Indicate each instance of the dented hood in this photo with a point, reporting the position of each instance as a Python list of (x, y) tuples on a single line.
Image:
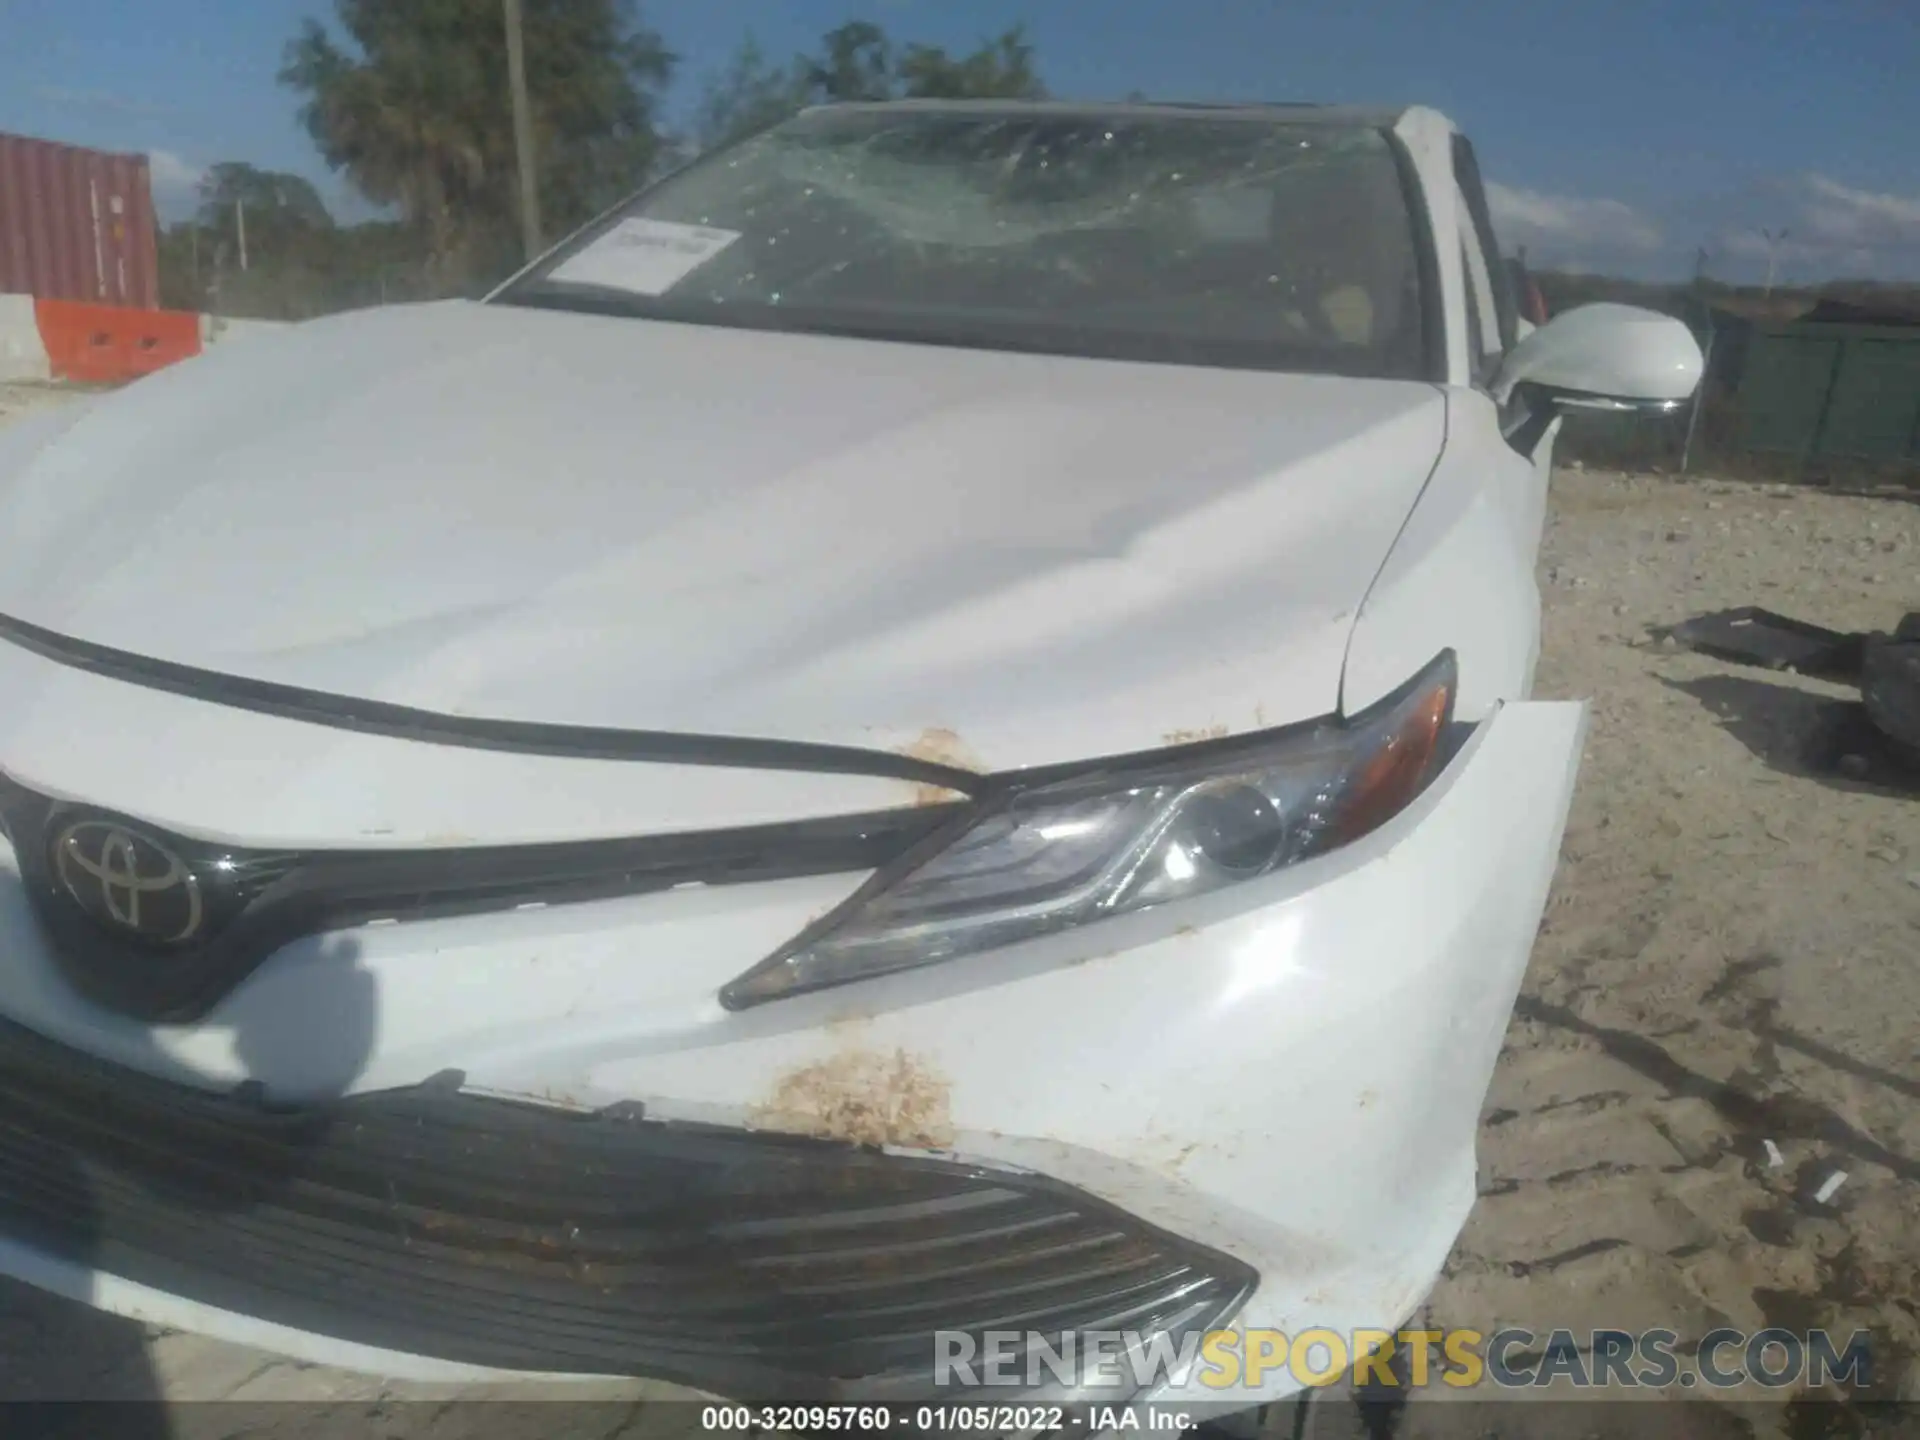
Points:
[(486, 511)]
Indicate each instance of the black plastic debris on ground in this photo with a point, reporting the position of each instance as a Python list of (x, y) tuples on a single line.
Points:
[(1752, 636), (1890, 684), (1877, 739)]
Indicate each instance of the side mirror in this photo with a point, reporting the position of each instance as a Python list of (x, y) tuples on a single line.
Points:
[(1604, 357)]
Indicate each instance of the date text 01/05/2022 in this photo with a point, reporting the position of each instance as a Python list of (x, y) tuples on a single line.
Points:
[(974, 1419)]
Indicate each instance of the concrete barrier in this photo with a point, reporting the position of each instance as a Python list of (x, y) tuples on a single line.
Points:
[(105, 344), (108, 344), (23, 354)]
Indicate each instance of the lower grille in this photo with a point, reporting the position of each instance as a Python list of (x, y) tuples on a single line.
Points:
[(442, 1224)]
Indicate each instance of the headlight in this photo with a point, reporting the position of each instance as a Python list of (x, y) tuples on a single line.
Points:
[(1046, 856)]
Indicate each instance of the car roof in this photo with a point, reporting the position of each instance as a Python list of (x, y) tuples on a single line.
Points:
[(1423, 127), (1293, 112)]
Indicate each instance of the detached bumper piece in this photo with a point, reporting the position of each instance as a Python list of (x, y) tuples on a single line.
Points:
[(1750, 635), (437, 1223), (1885, 667), (1890, 685)]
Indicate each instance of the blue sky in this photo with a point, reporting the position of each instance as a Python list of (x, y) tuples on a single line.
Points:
[(1621, 135)]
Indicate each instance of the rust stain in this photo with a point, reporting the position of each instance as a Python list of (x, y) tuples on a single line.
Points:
[(941, 747), (938, 746), (1188, 737), (865, 1097)]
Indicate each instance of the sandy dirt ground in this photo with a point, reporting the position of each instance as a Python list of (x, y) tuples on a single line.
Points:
[(1723, 1011)]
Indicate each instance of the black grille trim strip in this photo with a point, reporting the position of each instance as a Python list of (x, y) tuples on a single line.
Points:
[(259, 901), (518, 737)]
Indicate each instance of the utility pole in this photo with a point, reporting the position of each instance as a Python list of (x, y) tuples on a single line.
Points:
[(522, 131), (1774, 239), (240, 229), (1706, 362)]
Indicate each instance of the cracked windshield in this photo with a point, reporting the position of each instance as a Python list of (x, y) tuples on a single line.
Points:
[(1127, 235)]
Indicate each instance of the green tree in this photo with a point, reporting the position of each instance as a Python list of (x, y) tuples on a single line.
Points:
[(750, 94), (290, 236), (1001, 69), (412, 104), (273, 199), (855, 63), (183, 283), (858, 61)]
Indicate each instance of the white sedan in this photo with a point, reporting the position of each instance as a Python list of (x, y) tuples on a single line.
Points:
[(921, 735)]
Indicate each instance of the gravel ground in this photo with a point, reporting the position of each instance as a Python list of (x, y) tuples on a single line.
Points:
[(1721, 1013)]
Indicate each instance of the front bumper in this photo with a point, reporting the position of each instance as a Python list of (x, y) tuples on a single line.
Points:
[(505, 1236), (1280, 1081)]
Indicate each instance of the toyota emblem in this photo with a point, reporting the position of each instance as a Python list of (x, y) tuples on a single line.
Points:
[(128, 882)]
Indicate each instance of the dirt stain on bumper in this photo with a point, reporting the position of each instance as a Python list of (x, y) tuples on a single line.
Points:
[(865, 1097), (940, 747)]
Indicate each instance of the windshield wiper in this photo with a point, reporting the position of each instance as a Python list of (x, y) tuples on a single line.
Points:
[(610, 300), (589, 299), (1074, 341)]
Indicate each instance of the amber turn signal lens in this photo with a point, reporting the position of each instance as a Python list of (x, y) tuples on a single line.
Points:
[(1393, 774)]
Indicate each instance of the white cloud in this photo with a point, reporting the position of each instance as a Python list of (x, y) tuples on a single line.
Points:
[(1820, 227), (1842, 215), (1746, 244), (173, 172), (1557, 225), (176, 183)]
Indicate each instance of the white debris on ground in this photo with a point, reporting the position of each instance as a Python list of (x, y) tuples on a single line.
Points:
[(1717, 1029)]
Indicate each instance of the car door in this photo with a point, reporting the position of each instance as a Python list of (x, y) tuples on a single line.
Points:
[(1520, 479)]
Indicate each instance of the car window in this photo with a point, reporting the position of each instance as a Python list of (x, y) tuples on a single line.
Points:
[(1483, 317), (1472, 195), (1168, 236)]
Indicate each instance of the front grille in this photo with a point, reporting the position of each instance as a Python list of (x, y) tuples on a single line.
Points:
[(444, 1224), (256, 901)]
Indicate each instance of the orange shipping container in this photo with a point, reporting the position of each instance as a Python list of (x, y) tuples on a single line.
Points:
[(76, 224)]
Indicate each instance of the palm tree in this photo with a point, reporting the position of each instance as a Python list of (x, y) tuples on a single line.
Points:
[(413, 108)]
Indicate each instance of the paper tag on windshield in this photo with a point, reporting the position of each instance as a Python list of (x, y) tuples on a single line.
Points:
[(648, 257)]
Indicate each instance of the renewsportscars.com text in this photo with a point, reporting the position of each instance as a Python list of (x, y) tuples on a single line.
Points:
[(1408, 1359)]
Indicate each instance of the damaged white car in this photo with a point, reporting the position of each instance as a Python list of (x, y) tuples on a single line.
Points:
[(923, 731)]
